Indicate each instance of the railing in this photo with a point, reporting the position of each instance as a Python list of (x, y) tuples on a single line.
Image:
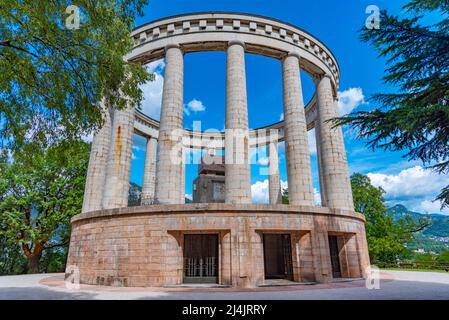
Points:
[(423, 265)]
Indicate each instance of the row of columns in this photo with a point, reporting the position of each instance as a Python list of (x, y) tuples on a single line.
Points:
[(109, 166)]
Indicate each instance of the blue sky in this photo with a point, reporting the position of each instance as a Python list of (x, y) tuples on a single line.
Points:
[(334, 23)]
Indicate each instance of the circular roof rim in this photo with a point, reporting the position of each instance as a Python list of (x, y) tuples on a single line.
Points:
[(307, 105), (243, 14)]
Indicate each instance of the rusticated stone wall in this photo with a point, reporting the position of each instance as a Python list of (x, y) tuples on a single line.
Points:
[(143, 246)]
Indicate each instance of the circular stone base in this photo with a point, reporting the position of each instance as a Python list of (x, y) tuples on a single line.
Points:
[(144, 246)]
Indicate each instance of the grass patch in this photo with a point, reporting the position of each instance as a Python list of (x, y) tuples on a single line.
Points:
[(416, 269)]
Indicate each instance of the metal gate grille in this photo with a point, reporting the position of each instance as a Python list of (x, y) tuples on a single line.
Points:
[(200, 267), (288, 263), (278, 256), (335, 257), (200, 258)]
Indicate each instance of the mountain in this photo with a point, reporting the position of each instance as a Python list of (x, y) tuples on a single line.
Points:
[(400, 211), (439, 223), (433, 238)]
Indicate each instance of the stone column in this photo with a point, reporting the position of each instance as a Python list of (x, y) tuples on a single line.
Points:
[(237, 167), (149, 174), (96, 172), (300, 191), (119, 160), (182, 196), (334, 173), (319, 157), (168, 168), (274, 183)]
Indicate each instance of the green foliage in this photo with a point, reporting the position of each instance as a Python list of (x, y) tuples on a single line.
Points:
[(40, 191), (424, 258), (416, 118), (52, 79), (434, 238), (134, 195), (285, 196), (443, 258), (12, 260), (386, 238)]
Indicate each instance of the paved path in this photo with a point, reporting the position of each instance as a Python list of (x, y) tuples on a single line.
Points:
[(406, 285)]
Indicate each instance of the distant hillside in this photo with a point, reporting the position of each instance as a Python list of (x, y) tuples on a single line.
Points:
[(433, 238), (440, 223)]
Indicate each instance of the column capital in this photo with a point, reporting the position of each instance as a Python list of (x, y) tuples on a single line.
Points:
[(171, 46), (293, 54), (319, 77), (238, 42)]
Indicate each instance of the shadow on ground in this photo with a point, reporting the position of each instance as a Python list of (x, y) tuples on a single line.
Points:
[(42, 293)]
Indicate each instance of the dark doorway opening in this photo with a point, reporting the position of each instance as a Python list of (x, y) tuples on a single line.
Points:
[(200, 258), (277, 251), (335, 257)]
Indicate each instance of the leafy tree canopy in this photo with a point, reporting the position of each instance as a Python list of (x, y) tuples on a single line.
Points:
[(416, 118), (386, 238), (52, 78), (40, 190)]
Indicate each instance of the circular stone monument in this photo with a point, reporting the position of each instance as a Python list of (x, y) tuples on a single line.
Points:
[(167, 242)]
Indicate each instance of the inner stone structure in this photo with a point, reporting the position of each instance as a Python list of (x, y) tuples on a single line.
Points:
[(209, 186), (227, 241)]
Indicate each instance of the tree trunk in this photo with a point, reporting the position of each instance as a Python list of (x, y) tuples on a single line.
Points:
[(33, 263)]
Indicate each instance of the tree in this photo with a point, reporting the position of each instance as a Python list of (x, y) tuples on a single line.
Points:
[(134, 195), (416, 118), (52, 78), (12, 260), (386, 238), (40, 191), (285, 196)]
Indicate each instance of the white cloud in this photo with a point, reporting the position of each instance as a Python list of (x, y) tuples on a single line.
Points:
[(316, 197), (263, 161), (415, 181), (416, 187), (281, 117), (188, 196), (152, 90), (260, 192), (350, 99), (428, 206), (88, 137), (312, 141), (194, 106)]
